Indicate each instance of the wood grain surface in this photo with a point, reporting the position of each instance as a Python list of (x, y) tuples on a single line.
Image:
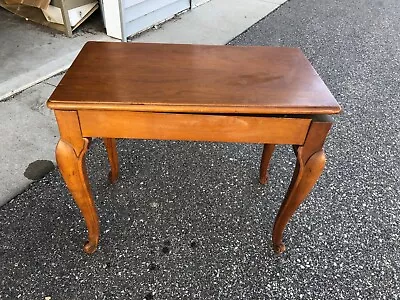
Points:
[(193, 78), (193, 127)]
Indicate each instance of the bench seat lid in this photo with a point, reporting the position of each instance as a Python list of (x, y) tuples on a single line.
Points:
[(193, 79)]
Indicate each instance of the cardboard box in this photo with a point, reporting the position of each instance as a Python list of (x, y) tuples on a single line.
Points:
[(44, 4)]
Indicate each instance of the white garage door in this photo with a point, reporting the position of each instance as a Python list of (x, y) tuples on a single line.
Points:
[(127, 17)]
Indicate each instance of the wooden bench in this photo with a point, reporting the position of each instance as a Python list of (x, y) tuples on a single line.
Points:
[(261, 95)]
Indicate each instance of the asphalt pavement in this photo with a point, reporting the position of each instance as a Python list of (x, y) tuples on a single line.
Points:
[(190, 220)]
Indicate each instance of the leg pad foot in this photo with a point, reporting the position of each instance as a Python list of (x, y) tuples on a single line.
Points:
[(280, 248), (90, 247), (263, 180), (112, 177)]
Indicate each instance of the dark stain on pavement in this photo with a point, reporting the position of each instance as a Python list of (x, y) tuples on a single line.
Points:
[(38, 169)]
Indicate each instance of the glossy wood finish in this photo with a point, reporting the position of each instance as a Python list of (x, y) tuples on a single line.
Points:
[(194, 93), (216, 128), (193, 78)]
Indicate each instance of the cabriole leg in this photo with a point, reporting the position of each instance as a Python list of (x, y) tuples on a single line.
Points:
[(265, 159), (111, 147), (309, 166), (70, 155)]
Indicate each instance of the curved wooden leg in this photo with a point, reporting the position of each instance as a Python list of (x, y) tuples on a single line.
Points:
[(304, 178), (70, 155), (265, 159), (72, 168), (310, 164), (111, 147)]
